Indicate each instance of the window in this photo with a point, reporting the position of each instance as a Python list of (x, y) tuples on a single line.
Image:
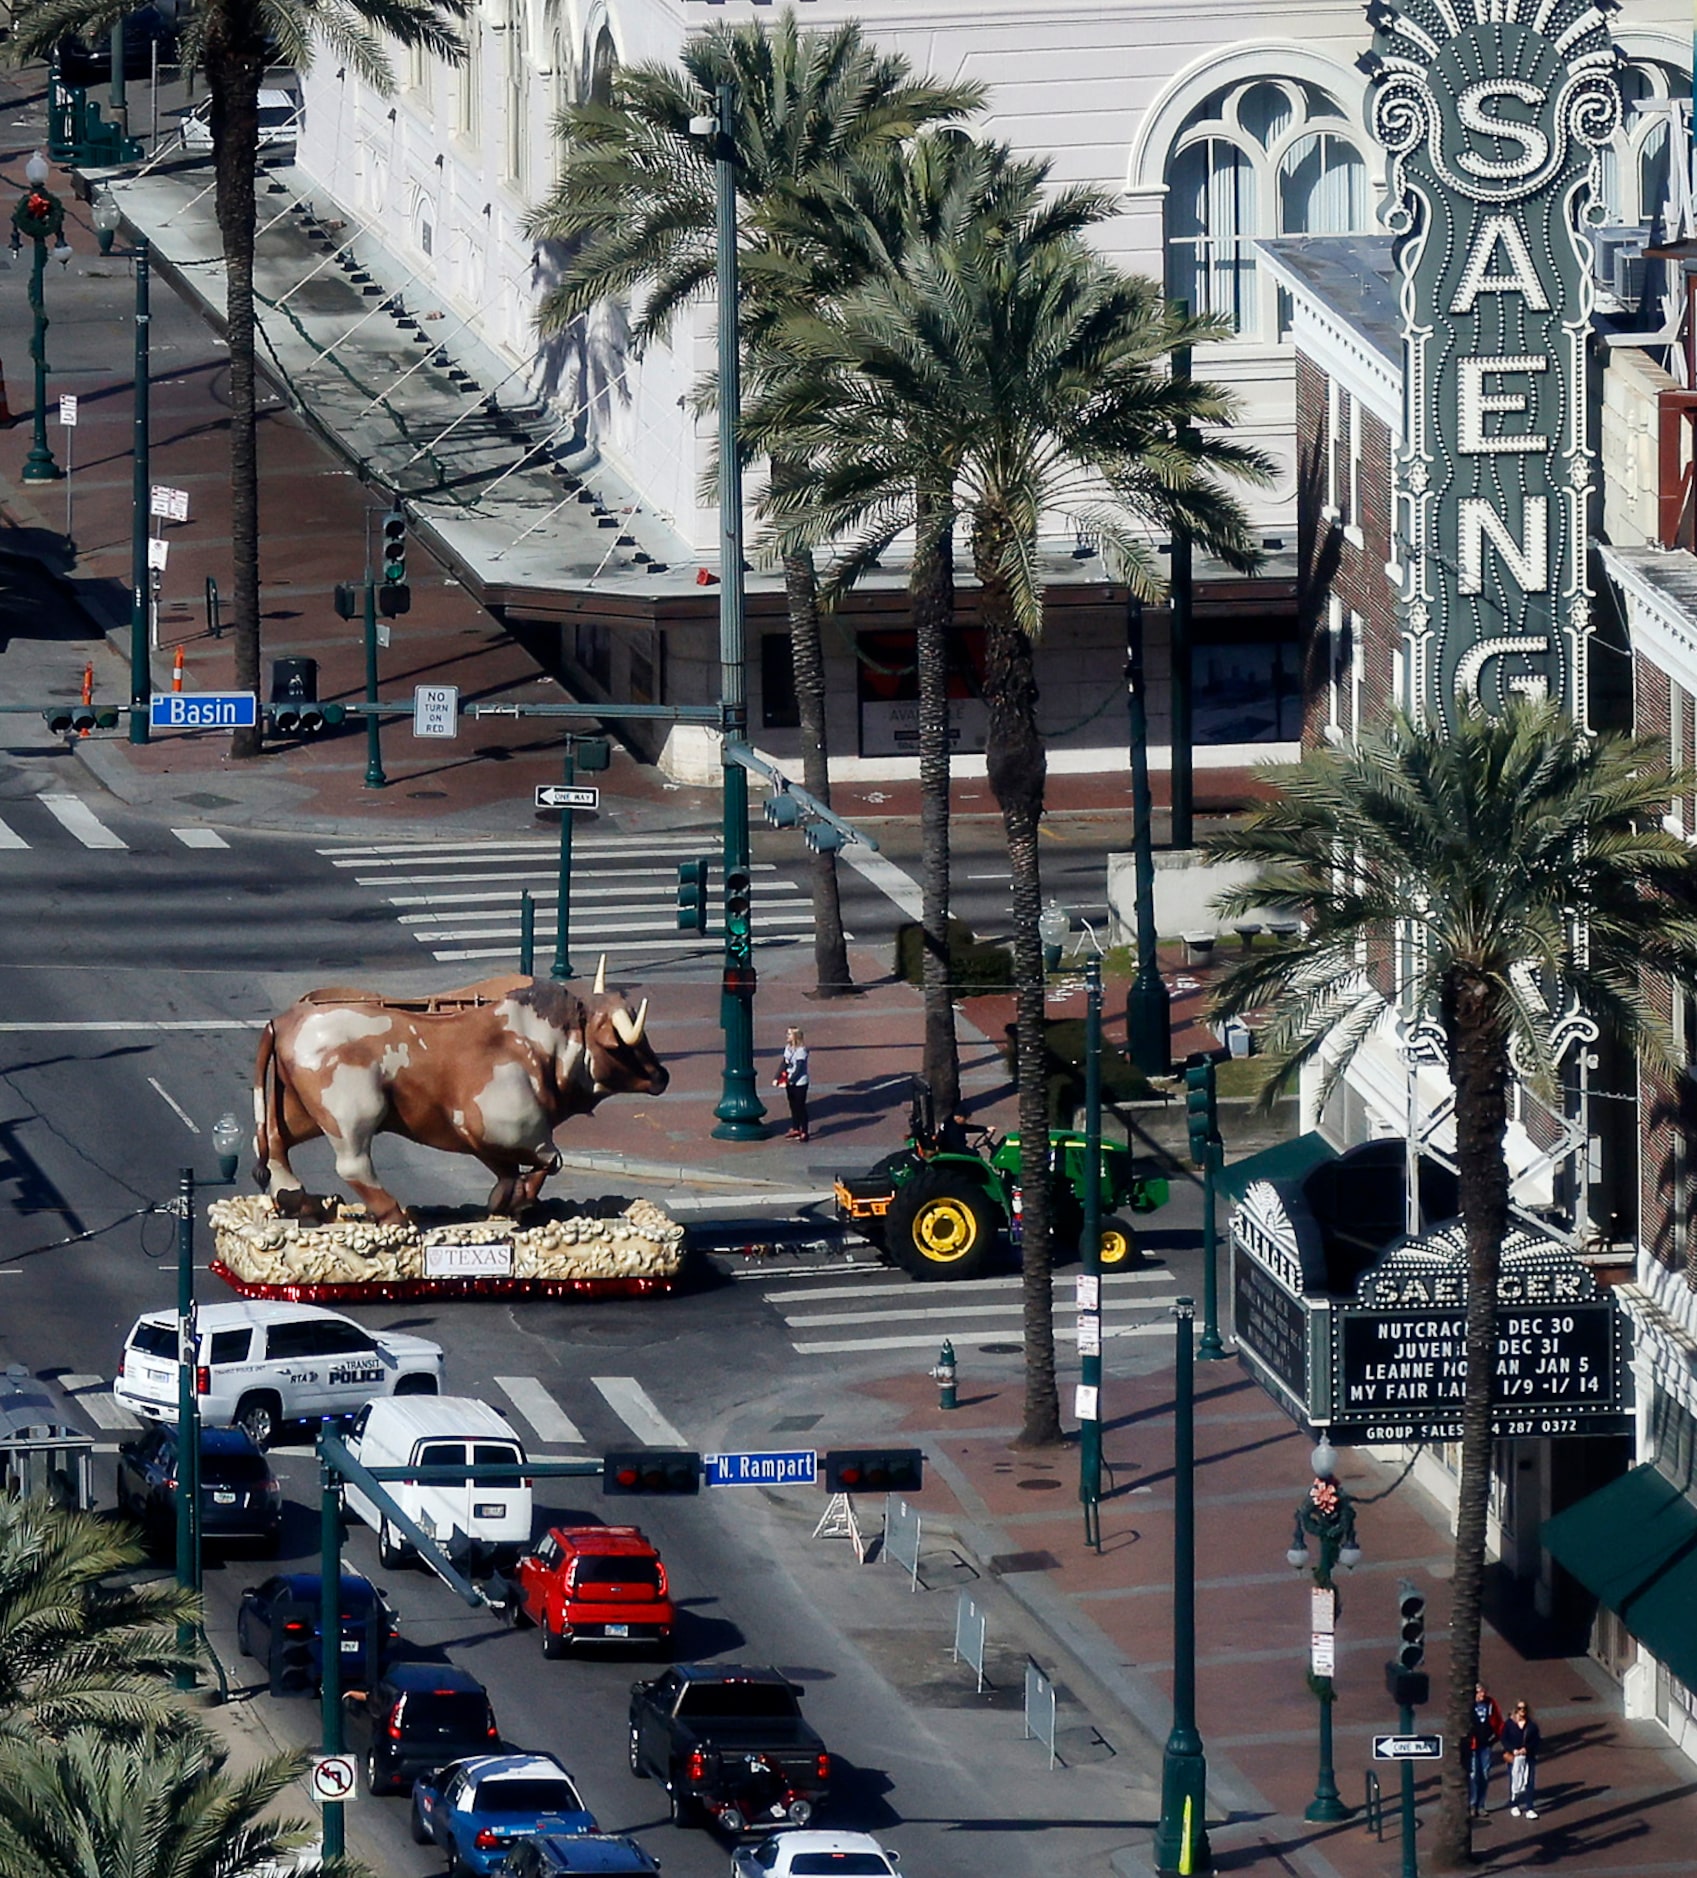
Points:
[(155, 1340), (779, 709), (1270, 157), (229, 1346), (1635, 160), (287, 1342), (346, 1340)]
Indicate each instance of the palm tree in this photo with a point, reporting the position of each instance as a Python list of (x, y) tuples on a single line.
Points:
[(1034, 371), (1491, 876), (79, 1646), (91, 1806), (635, 199), (234, 40)]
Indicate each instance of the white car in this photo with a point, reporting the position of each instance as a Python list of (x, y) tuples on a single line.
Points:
[(260, 1363), (279, 122), (816, 1855)]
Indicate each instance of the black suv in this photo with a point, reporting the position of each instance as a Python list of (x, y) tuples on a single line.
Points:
[(569, 1854), (239, 1495), (415, 1721)]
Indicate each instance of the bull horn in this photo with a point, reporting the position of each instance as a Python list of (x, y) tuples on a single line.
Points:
[(625, 1025), (601, 976), (641, 1019)]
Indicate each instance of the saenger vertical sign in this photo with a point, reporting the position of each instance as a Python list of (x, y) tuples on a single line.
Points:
[(1493, 113)]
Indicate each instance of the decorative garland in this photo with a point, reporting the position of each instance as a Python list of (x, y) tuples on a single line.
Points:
[(39, 215)]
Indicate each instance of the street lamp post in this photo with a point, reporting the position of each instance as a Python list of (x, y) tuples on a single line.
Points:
[(39, 214), (1148, 1006), (1327, 1514), (1181, 1835), (188, 1414), (141, 667), (1090, 1254)]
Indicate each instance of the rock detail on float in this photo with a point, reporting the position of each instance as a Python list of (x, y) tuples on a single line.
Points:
[(604, 1249)]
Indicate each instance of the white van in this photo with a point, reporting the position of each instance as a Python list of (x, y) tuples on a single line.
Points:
[(477, 1525)]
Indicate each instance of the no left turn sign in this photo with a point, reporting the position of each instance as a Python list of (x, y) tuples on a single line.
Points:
[(333, 1777)]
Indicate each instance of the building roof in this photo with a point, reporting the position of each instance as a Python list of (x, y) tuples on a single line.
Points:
[(1352, 277)]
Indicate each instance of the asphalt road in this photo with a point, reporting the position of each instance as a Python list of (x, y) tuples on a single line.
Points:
[(133, 967)]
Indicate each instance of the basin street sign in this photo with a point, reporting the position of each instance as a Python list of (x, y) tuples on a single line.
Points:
[(1387, 1361), (1494, 114)]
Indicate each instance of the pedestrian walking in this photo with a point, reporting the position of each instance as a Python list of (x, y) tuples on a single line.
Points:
[(1522, 1739), (1482, 1738), (792, 1079)]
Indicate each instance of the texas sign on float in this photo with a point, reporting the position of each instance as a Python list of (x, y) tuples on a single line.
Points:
[(1492, 112)]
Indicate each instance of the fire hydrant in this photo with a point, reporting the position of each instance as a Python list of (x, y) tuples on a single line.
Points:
[(944, 1376)]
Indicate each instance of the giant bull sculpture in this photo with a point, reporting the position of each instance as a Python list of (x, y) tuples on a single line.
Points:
[(491, 1070)]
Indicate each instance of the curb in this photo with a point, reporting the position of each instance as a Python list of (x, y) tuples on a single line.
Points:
[(673, 1172)]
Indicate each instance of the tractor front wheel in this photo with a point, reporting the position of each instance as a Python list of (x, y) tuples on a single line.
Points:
[(943, 1226)]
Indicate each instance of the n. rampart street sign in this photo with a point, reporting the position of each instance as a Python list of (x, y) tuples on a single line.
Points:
[(1493, 113)]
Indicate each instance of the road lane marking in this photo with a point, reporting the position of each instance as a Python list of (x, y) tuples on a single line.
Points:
[(200, 837), (627, 1398), (509, 896), (879, 871), (77, 818), (824, 1320), (898, 1290), (546, 870), (104, 1409), (850, 1346), (137, 1023), (597, 927), (539, 1408), (10, 838), (639, 948), (174, 1105)]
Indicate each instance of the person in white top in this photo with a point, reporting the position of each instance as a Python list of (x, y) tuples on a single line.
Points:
[(792, 1079)]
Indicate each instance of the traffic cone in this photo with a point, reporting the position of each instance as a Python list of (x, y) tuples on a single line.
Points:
[(177, 671), (87, 692)]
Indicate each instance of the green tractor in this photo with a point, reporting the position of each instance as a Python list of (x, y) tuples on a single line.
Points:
[(939, 1206)]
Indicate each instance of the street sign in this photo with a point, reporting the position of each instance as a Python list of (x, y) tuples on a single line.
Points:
[(384, 634), (203, 710), (68, 410), (435, 710), (562, 796), (1408, 1747), (798, 1467), (1323, 1652), (333, 1777), (166, 504), (158, 553)]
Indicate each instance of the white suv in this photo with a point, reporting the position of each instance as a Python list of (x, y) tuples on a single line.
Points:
[(261, 1363)]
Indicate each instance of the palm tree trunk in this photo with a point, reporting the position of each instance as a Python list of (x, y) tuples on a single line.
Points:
[(1479, 1069), (1018, 770), (232, 77), (933, 590), (830, 946)]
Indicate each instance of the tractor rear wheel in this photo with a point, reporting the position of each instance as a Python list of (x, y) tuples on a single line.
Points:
[(1119, 1244), (943, 1226)]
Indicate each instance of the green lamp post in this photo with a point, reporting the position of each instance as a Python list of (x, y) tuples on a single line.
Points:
[(1327, 1514), (40, 215)]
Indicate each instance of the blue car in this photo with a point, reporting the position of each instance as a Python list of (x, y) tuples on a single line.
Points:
[(279, 1622), (474, 1810)]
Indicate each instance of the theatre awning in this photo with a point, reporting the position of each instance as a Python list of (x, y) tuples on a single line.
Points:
[(1634, 1544), (1285, 1160)]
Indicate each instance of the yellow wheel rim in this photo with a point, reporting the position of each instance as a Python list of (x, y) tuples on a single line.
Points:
[(1116, 1247), (945, 1231)]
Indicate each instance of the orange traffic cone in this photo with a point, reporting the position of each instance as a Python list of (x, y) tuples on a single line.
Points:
[(87, 691), (177, 671)]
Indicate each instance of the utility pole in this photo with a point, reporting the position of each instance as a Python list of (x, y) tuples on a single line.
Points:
[(562, 967), (1179, 599), (1090, 1253), (740, 1111), (141, 673), (188, 1413), (1148, 1005), (330, 1640)]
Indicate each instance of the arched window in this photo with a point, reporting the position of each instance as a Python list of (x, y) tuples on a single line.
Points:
[(1265, 157), (601, 65), (1635, 163)]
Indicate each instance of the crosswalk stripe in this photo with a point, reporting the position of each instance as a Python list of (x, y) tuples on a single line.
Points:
[(964, 1308), (509, 902), (540, 1409), (463, 853), (641, 948), (10, 838), (598, 926), (978, 1285), (200, 837), (928, 1341), (549, 874), (627, 1398), (77, 818), (94, 1393), (509, 896)]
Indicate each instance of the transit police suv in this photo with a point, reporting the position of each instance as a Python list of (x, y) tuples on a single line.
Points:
[(261, 1363)]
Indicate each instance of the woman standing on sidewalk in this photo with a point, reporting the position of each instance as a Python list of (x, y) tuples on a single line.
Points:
[(1522, 1739), (792, 1079)]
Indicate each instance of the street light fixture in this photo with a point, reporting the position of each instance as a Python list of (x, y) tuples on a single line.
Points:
[(1326, 1514), (107, 218), (39, 215)]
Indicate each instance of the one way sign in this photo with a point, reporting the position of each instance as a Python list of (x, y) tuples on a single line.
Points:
[(1408, 1747), (563, 796)]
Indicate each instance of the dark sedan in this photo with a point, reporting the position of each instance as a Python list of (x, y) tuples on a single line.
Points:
[(278, 1622), (417, 1719), (240, 1499)]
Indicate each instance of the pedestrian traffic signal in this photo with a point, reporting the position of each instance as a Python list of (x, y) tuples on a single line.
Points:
[(349, 601), (738, 980), (1201, 1108), (739, 904), (692, 896), (395, 546), (592, 754), (782, 809), (1407, 1682), (651, 1470), (394, 599), (874, 1470)]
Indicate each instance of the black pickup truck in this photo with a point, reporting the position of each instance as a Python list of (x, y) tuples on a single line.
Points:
[(730, 1745)]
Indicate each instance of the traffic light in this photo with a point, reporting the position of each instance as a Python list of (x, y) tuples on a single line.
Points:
[(874, 1470), (393, 601), (1201, 1112), (395, 546), (348, 600), (294, 709), (291, 1663), (651, 1470), (782, 809), (592, 754), (692, 896), (823, 837), (1407, 1682), (58, 718), (739, 904)]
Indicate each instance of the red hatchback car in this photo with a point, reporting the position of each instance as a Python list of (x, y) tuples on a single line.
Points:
[(593, 1584)]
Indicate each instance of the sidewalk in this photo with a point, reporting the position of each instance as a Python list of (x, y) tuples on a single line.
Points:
[(1616, 1801)]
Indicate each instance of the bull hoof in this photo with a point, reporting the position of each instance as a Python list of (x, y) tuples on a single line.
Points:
[(311, 1209)]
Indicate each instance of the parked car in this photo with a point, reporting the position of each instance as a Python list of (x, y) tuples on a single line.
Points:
[(279, 122), (279, 1623), (480, 1524), (598, 1584), (260, 1363), (575, 1855), (728, 1742), (816, 1855), (474, 1809), (417, 1718), (239, 1495)]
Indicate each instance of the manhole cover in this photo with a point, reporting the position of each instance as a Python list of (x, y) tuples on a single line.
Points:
[(1003, 1564), (794, 1424), (1037, 1486), (999, 1349), (427, 795), (204, 801)]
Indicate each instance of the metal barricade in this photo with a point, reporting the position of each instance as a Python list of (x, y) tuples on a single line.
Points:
[(969, 1635), (1039, 1708), (901, 1537)]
